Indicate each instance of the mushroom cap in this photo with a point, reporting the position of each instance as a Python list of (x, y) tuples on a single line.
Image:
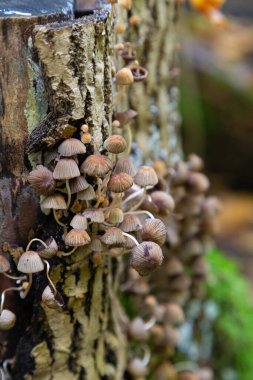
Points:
[(71, 147), (96, 165), (50, 251), (173, 314), (146, 176), (146, 257), (125, 166), (113, 236), (115, 215), (95, 215), (77, 238), (139, 73), (4, 264), (131, 223), (127, 4), (115, 144), (137, 368), (66, 168), (55, 201), (41, 180), (163, 201), (79, 222), (50, 300), (124, 77), (198, 182), (154, 230), (125, 117), (97, 245), (119, 183), (30, 262), (137, 330), (7, 319), (78, 184), (87, 194)]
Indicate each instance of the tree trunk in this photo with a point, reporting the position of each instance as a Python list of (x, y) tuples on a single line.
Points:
[(56, 77)]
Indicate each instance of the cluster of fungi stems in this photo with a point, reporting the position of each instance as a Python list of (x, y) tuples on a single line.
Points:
[(160, 215)]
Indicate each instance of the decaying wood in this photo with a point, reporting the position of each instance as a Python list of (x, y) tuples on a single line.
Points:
[(70, 69)]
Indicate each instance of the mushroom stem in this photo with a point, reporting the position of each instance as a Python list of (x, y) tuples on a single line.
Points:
[(57, 220), (69, 193), (147, 356), (148, 325), (49, 279), (26, 291), (98, 192), (64, 254), (138, 204), (3, 295), (14, 277), (140, 213), (132, 196), (131, 237), (129, 139), (33, 240)]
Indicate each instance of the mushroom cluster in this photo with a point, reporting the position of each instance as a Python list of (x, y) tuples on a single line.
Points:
[(183, 225)]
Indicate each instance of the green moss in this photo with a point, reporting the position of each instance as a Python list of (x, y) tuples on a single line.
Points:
[(233, 329)]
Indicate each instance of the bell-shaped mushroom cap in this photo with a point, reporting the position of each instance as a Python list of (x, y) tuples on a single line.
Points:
[(146, 176), (96, 165), (50, 251), (131, 223), (4, 264), (127, 4), (137, 330), (154, 230), (125, 166), (97, 245), (87, 194), (113, 236), (137, 368), (119, 183), (78, 184), (173, 314), (79, 222), (195, 163), (55, 201), (71, 147), (124, 77), (115, 215), (198, 182), (95, 215), (126, 116), (115, 144), (77, 238), (41, 180), (163, 201), (66, 168), (7, 319), (50, 300), (30, 262), (146, 257)]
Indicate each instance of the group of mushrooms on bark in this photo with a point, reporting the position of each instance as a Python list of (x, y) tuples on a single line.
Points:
[(160, 215)]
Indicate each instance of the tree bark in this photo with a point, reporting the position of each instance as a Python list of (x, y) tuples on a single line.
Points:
[(57, 77), (156, 129)]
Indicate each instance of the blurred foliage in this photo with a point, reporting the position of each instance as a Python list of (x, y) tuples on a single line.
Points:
[(233, 328)]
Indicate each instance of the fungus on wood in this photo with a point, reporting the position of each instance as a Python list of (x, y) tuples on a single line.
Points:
[(55, 76)]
